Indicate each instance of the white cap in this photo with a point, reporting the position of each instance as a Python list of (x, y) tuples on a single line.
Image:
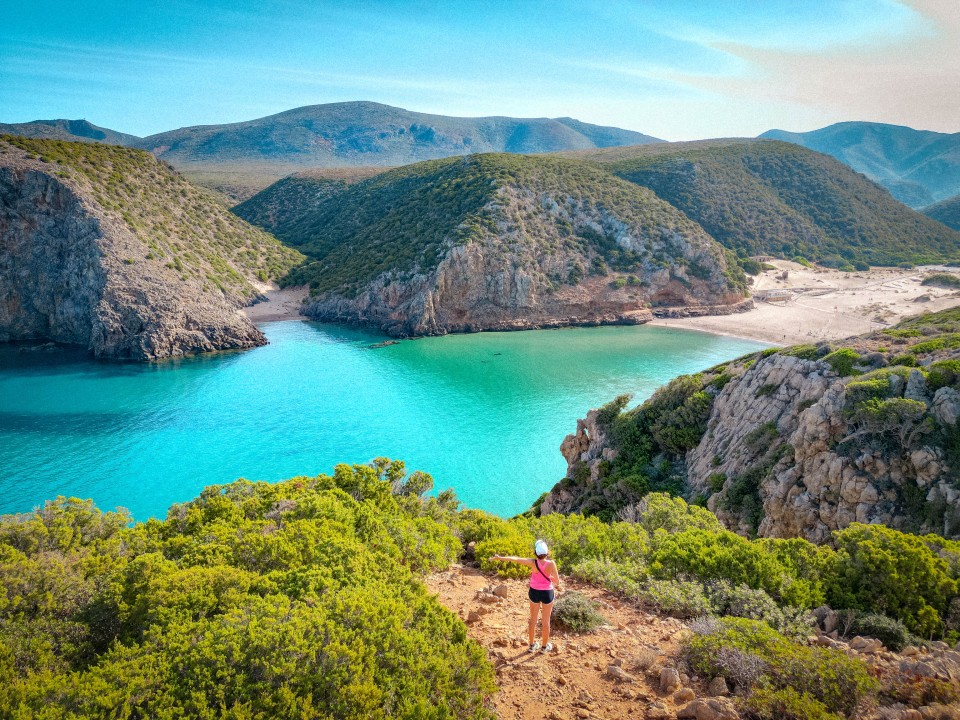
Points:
[(540, 547)]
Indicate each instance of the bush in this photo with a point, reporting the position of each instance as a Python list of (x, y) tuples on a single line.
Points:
[(836, 681), (785, 704), (298, 598), (677, 598), (576, 613), (842, 361), (899, 575), (892, 633)]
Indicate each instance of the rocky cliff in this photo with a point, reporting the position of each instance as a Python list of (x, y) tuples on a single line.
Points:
[(795, 442), (504, 242), (106, 248)]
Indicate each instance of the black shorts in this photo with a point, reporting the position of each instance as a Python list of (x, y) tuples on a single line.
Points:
[(540, 596)]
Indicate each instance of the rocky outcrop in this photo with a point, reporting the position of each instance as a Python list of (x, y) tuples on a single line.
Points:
[(515, 276), (792, 449), (72, 272)]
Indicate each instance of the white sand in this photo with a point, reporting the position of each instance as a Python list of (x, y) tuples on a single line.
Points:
[(281, 304), (850, 304)]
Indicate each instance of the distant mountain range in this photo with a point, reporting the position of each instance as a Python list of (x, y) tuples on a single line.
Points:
[(242, 158), (918, 167)]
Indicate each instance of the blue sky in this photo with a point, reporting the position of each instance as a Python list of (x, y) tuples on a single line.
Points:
[(675, 69)]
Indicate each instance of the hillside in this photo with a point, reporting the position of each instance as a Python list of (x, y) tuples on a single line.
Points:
[(918, 167), (283, 206), (946, 211), (500, 241), (342, 596), (252, 154), (763, 197), (798, 441), (106, 248), (72, 130)]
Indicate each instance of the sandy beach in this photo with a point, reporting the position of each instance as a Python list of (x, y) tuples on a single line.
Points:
[(823, 304), (280, 304)]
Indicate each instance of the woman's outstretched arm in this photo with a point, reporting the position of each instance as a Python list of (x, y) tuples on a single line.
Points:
[(513, 559)]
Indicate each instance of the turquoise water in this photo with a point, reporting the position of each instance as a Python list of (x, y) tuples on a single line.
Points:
[(482, 413)]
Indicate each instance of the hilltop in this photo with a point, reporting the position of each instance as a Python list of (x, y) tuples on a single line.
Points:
[(241, 158), (946, 211), (766, 197), (107, 248), (245, 156), (795, 441), (498, 241), (72, 130), (918, 167)]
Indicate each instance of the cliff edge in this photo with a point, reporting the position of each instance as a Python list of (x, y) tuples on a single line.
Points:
[(107, 248)]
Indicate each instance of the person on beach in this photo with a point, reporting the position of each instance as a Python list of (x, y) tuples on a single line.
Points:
[(544, 578)]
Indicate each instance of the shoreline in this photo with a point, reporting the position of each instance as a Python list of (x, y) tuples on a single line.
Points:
[(281, 304)]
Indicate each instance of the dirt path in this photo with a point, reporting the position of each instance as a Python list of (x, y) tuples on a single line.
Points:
[(574, 682)]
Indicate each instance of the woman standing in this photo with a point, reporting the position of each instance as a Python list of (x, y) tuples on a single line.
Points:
[(543, 578)]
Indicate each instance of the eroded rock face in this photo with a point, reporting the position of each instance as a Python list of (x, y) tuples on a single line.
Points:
[(65, 277), (502, 281), (783, 430), (826, 476)]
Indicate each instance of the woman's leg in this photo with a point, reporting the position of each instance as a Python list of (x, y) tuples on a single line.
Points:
[(545, 622), (532, 627)]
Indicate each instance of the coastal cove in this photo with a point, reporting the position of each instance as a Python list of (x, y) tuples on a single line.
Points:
[(483, 413)]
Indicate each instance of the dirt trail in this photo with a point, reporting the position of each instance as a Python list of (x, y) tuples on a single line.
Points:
[(576, 681)]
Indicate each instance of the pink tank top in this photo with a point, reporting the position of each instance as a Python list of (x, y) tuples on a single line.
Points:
[(538, 581)]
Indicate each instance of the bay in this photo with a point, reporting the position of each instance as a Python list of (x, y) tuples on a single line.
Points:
[(483, 413)]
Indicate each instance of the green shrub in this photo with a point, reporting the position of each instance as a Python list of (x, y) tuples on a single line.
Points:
[(884, 571), (803, 261), (298, 598), (842, 361), (785, 704), (944, 373), (892, 633), (726, 646), (942, 280), (575, 612), (804, 352), (677, 598)]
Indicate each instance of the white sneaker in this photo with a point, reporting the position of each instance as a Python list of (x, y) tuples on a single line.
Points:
[(535, 647), (548, 647)]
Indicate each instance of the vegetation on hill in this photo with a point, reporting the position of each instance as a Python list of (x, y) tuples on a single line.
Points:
[(917, 166), (762, 197), (404, 220), (180, 225), (946, 211), (304, 598), (298, 599), (286, 204)]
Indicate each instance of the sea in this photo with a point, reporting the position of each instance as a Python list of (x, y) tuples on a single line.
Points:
[(483, 413)]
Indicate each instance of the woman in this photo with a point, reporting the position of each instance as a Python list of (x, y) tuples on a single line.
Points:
[(543, 578)]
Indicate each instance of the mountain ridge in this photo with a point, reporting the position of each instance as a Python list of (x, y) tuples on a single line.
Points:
[(918, 167)]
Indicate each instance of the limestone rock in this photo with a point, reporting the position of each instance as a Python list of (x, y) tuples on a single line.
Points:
[(718, 687), (74, 273), (669, 680)]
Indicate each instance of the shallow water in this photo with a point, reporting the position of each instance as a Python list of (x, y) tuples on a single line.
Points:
[(483, 413)]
